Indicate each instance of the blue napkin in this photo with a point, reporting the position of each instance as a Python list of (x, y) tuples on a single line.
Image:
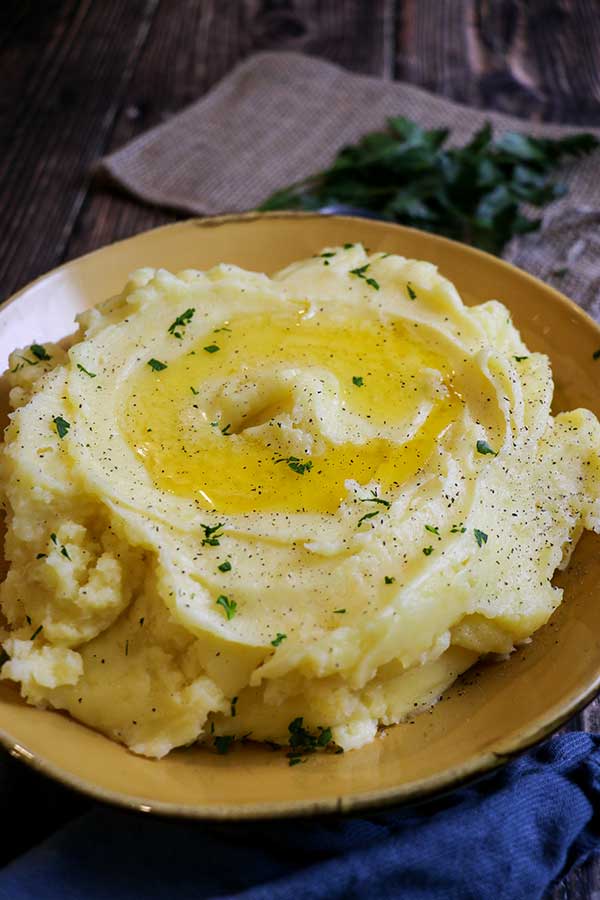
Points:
[(508, 836)]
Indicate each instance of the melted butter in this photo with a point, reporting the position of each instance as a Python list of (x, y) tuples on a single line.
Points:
[(178, 433)]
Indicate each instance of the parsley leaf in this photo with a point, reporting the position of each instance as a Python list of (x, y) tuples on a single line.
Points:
[(389, 579), (480, 536), (280, 637), (36, 632), (596, 354), (4, 657), (474, 193), (302, 741), (340, 611), (483, 447), (295, 465), (85, 371), (180, 322), (229, 606), (458, 529), (410, 291), (434, 529), (370, 515), (223, 743), (358, 380), (373, 499), (376, 499), (212, 348), (62, 426), (157, 365), (520, 358), (39, 352), (360, 273), (427, 551), (211, 534), (224, 566)]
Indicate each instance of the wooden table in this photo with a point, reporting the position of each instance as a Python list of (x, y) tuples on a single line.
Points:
[(81, 77)]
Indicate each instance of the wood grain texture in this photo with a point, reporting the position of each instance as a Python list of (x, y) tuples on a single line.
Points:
[(538, 59), (80, 78)]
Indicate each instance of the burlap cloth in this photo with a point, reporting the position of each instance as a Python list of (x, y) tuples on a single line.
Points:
[(281, 116)]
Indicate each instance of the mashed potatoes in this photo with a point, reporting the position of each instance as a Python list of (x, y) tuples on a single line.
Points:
[(240, 501)]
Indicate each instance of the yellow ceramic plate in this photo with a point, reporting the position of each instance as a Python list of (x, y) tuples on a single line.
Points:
[(491, 713)]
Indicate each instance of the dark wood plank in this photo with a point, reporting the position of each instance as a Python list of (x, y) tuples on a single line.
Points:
[(63, 78), (537, 60), (179, 65)]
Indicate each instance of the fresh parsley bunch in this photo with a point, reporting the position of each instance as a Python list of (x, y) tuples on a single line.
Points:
[(472, 193)]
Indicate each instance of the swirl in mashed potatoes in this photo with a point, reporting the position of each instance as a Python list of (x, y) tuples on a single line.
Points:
[(237, 501)]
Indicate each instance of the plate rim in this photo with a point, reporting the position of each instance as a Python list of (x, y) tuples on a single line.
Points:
[(476, 766)]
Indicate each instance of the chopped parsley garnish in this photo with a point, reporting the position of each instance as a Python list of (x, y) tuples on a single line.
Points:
[(224, 566), (85, 371), (4, 657), (223, 743), (427, 551), (324, 738), (339, 612), (36, 632), (234, 701), (327, 255), (483, 447), (348, 246), (141, 621), (560, 273), (370, 515), (520, 358), (302, 742), (280, 637), (361, 273), (180, 322), (194, 391), (358, 380), (410, 291), (226, 430), (39, 352), (480, 536), (229, 606), (222, 328), (211, 534), (156, 365), (433, 529), (376, 499), (373, 499), (458, 529), (62, 426), (295, 465), (212, 348), (42, 556), (389, 579), (28, 619), (596, 354), (63, 549), (126, 648)]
